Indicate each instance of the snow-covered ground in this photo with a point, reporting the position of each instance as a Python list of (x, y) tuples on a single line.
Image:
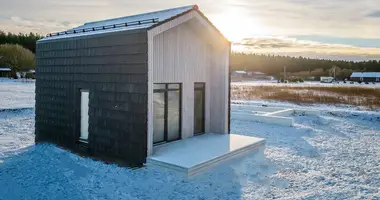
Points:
[(306, 84), (332, 156), (16, 131), (16, 93)]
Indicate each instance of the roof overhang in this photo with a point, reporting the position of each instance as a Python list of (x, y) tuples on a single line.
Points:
[(195, 19), (200, 16)]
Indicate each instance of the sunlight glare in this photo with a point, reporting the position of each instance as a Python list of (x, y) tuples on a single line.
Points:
[(236, 24)]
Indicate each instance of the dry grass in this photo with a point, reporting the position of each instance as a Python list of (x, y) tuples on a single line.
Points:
[(358, 96)]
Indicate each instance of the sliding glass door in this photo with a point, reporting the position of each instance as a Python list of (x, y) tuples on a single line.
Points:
[(199, 108), (166, 113)]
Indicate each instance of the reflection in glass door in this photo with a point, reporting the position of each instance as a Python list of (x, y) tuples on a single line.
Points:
[(166, 116), (199, 108), (159, 117), (173, 115)]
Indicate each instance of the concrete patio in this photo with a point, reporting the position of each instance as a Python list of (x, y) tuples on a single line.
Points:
[(194, 155)]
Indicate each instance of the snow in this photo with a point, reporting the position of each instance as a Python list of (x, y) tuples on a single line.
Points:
[(305, 84), (332, 156), (16, 93), (16, 130), (160, 15)]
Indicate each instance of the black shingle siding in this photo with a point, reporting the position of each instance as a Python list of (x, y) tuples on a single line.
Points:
[(114, 68)]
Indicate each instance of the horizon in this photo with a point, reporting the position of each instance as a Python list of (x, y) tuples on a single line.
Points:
[(338, 30)]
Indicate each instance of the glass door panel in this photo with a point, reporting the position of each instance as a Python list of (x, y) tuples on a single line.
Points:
[(167, 112), (158, 117), (173, 115)]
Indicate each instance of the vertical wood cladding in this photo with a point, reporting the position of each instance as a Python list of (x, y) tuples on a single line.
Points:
[(114, 68), (181, 56)]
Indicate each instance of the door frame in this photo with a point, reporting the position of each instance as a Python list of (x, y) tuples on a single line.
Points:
[(165, 91), (203, 89)]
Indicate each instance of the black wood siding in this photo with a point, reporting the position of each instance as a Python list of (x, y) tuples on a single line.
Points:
[(114, 68)]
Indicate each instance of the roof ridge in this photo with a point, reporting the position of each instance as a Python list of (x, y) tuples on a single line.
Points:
[(142, 14)]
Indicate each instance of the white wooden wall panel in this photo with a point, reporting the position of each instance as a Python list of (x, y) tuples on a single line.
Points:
[(177, 54), (181, 57)]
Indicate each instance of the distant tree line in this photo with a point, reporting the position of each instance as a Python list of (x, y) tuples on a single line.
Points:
[(17, 51), (299, 66), (27, 41), (17, 58), (269, 64)]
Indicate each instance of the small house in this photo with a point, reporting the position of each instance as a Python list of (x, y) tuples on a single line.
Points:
[(258, 75), (327, 79), (114, 89), (365, 76), (5, 72), (238, 75)]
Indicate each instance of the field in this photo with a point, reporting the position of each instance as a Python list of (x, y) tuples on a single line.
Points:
[(365, 96), (332, 156)]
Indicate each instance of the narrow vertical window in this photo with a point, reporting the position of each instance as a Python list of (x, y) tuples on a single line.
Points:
[(84, 105), (199, 108)]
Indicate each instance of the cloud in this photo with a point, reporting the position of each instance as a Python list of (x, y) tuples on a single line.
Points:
[(285, 42), (20, 24), (294, 47), (333, 18), (375, 14), (340, 18)]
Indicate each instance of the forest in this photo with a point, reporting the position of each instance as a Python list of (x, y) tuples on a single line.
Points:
[(299, 66), (28, 41)]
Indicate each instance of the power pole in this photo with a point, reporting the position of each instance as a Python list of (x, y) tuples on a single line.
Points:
[(284, 73)]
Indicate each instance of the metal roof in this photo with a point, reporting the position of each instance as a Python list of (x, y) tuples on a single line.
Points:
[(240, 72), (133, 22), (365, 75)]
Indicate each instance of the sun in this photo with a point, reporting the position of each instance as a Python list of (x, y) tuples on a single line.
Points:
[(237, 24)]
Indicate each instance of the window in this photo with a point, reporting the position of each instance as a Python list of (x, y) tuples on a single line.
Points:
[(166, 113), (84, 107)]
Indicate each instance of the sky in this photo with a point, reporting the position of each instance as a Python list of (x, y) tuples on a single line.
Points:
[(330, 29)]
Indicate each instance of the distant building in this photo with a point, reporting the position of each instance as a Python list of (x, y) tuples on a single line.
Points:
[(365, 76), (27, 74), (257, 75), (5, 72), (238, 75), (327, 79)]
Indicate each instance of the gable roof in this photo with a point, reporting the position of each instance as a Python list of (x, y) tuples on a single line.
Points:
[(134, 22), (159, 15), (365, 75)]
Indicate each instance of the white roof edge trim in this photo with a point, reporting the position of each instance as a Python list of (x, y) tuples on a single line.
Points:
[(182, 19)]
